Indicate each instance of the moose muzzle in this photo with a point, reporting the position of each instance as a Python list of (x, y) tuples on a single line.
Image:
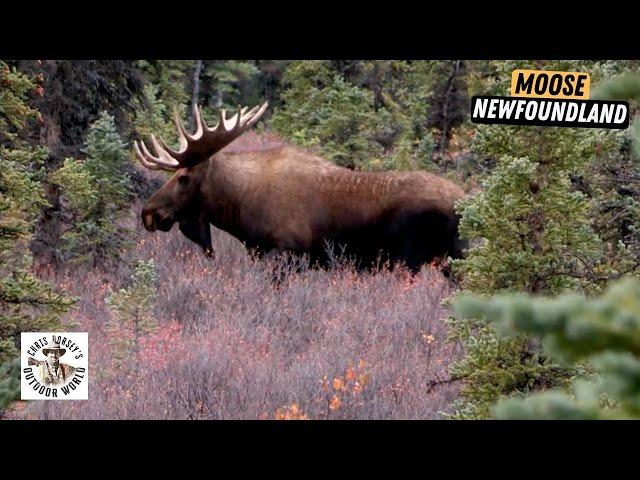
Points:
[(147, 220), (155, 219)]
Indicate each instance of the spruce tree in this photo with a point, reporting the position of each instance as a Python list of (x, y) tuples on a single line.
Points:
[(133, 309), (322, 109), (615, 181), (95, 191), (531, 231), (153, 117), (603, 333), (26, 303), (224, 84)]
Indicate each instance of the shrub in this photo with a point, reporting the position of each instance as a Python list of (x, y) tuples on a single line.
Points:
[(26, 303), (95, 191), (133, 308), (604, 332)]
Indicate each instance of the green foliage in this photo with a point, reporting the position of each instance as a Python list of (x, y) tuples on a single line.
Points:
[(325, 111), (493, 366), (224, 85), (106, 160), (154, 119), (616, 183), (14, 110), (623, 87), (373, 115), (26, 303), (169, 78), (78, 184), (165, 92), (95, 191), (535, 230), (604, 332), (9, 382), (532, 232), (133, 308), (170, 88), (21, 197)]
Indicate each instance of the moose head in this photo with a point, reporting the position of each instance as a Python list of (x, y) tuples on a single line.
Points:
[(181, 198)]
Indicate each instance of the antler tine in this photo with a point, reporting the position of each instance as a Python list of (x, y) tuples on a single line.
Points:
[(150, 166), (205, 127), (150, 161), (162, 156), (235, 120), (248, 115), (182, 133), (197, 114), (221, 119), (257, 115), (204, 142)]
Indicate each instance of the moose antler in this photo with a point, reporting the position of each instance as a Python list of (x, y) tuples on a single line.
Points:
[(202, 144)]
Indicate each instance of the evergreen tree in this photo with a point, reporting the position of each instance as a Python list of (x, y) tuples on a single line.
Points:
[(382, 115), (267, 84), (96, 190), (603, 332), (170, 79), (407, 93), (535, 235), (153, 117), (71, 94), (165, 91), (26, 303), (225, 84), (323, 110), (615, 181), (614, 186), (449, 103), (174, 86), (133, 308)]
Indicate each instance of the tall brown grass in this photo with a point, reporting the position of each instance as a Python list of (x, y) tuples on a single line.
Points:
[(232, 344)]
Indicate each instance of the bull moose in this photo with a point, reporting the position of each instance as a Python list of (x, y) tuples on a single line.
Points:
[(286, 199)]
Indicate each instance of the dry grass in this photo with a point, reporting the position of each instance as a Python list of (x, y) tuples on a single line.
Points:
[(232, 345)]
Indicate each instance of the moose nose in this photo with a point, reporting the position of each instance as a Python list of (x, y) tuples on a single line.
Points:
[(148, 221)]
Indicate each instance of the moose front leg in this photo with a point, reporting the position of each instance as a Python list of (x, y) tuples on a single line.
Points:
[(199, 232)]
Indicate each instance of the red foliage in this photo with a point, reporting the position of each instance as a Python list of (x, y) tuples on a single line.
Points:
[(164, 346), (230, 344)]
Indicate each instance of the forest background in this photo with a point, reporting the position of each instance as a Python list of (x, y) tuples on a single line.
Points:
[(550, 211)]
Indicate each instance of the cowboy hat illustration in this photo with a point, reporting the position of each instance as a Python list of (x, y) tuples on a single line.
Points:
[(55, 347)]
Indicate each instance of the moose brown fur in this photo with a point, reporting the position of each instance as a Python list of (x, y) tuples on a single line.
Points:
[(285, 199)]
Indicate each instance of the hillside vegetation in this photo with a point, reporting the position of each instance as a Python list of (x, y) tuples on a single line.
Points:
[(548, 212)]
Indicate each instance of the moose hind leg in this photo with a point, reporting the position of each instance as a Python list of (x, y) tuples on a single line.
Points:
[(421, 237)]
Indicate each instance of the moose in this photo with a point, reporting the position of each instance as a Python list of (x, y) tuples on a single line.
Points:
[(287, 199)]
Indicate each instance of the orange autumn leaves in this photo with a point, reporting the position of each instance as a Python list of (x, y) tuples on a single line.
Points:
[(335, 392), (351, 382), (290, 412)]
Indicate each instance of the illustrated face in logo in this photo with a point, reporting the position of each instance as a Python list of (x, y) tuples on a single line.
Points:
[(52, 372), (54, 358)]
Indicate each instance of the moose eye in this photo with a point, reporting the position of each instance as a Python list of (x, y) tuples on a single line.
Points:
[(183, 180)]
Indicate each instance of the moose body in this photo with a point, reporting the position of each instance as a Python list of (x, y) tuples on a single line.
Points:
[(285, 199)]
